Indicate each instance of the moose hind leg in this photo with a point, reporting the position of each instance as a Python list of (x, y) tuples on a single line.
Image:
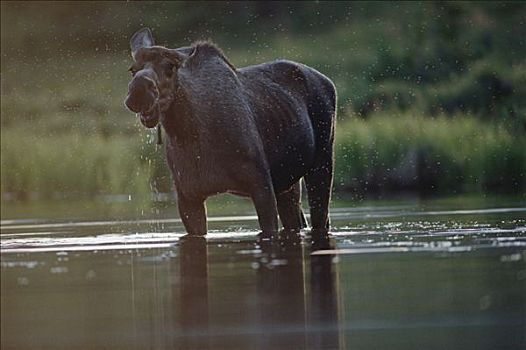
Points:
[(289, 208), (193, 214), (319, 184), (265, 204)]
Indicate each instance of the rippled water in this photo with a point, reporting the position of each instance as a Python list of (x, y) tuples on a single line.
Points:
[(425, 275)]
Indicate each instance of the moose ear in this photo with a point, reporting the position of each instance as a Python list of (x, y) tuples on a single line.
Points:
[(141, 38)]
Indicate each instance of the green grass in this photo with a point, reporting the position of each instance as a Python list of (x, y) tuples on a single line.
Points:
[(386, 152), (442, 154), (77, 165)]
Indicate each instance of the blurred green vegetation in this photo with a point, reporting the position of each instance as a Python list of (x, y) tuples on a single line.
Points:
[(431, 94), (440, 154)]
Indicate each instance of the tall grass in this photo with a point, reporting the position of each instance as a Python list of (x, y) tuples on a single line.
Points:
[(385, 152), (77, 165), (442, 154)]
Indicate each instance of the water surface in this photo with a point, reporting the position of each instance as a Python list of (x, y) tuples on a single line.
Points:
[(409, 274)]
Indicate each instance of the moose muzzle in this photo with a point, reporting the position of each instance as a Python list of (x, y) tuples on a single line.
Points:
[(142, 99)]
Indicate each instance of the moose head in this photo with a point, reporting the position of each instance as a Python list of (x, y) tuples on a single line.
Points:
[(152, 88)]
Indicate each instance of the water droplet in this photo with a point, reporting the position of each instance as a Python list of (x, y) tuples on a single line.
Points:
[(22, 281), (58, 269), (91, 275)]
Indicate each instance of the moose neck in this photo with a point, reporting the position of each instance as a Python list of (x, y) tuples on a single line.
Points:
[(180, 121)]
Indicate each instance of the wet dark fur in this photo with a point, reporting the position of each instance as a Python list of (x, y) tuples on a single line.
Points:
[(253, 131)]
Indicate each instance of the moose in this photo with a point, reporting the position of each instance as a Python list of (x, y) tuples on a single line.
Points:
[(254, 131)]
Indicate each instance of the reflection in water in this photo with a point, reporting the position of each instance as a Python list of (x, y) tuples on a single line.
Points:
[(278, 308), (324, 306), (193, 298), (280, 286)]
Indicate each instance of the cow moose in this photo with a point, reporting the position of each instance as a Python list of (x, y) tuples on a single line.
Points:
[(254, 131)]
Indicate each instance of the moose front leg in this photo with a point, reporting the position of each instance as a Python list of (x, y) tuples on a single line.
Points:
[(193, 214)]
